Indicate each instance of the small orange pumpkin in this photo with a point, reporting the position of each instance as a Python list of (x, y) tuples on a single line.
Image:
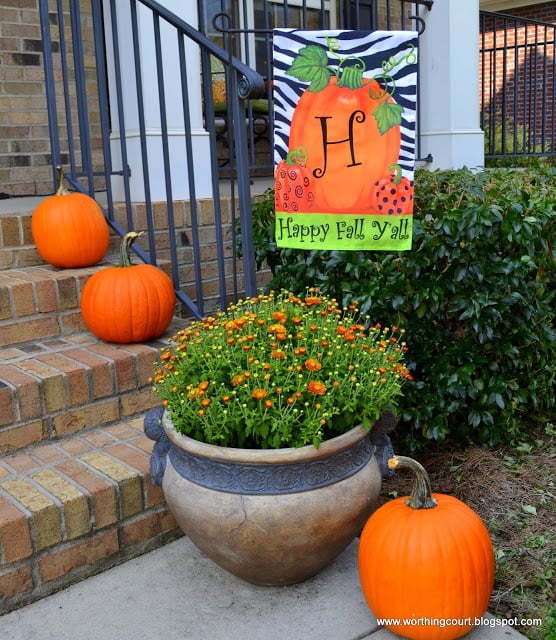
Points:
[(426, 562), (69, 229), (293, 184), (130, 302)]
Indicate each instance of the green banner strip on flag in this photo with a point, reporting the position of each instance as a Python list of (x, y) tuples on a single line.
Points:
[(325, 231)]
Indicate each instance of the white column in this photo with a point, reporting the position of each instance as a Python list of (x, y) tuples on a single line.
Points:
[(174, 112), (449, 85)]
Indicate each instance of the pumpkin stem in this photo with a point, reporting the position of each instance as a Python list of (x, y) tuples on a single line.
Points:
[(61, 191), (421, 494), (352, 77), (398, 177), (296, 156), (125, 248)]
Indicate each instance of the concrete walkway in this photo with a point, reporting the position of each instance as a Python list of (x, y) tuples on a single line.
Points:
[(175, 593)]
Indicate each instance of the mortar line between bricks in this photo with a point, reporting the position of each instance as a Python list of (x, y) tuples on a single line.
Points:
[(57, 503), (6, 494), (32, 532), (133, 470)]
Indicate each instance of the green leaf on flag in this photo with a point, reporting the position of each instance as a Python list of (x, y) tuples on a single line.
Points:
[(388, 115), (311, 65)]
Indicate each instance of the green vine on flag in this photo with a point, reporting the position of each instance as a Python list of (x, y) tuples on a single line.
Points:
[(311, 66)]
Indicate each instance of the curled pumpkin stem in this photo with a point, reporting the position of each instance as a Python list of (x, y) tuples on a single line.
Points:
[(125, 247), (398, 177), (421, 493), (61, 191), (296, 156)]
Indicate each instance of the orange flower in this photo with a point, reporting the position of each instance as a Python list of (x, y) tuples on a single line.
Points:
[(277, 328), (312, 365), (237, 380), (279, 316), (317, 388), (205, 402), (259, 394), (278, 354), (311, 301), (204, 385)]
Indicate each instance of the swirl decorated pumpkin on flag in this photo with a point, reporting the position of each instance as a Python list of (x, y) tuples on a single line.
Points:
[(293, 184)]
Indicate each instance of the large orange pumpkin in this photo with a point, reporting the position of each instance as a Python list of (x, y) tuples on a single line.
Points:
[(130, 302), (346, 151), (69, 229), (426, 563)]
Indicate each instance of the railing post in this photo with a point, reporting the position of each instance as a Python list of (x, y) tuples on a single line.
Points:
[(449, 92)]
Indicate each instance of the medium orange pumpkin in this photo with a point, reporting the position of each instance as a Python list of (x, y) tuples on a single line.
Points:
[(426, 562), (344, 166), (69, 229), (130, 302)]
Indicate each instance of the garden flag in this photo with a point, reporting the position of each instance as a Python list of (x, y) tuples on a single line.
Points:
[(344, 138)]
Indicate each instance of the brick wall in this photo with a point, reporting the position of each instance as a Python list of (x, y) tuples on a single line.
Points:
[(24, 145), (25, 157), (520, 66)]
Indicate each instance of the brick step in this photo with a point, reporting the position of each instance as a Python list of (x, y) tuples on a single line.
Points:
[(16, 241), (41, 302), (17, 248), (52, 388), (74, 507)]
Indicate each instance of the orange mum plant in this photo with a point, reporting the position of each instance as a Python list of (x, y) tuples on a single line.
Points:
[(280, 370)]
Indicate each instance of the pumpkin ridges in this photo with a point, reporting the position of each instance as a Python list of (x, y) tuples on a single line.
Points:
[(139, 325), (69, 229), (150, 319), (425, 583), (126, 304), (431, 563)]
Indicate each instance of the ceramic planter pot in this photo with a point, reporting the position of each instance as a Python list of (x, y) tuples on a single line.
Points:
[(270, 517)]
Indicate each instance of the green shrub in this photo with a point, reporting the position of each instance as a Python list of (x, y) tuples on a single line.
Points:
[(476, 295)]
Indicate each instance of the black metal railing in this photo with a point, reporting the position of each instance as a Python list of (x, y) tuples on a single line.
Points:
[(100, 100), (518, 84), (89, 101), (227, 22)]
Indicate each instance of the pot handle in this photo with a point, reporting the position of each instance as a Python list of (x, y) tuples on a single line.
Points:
[(383, 446), (155, 431)]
